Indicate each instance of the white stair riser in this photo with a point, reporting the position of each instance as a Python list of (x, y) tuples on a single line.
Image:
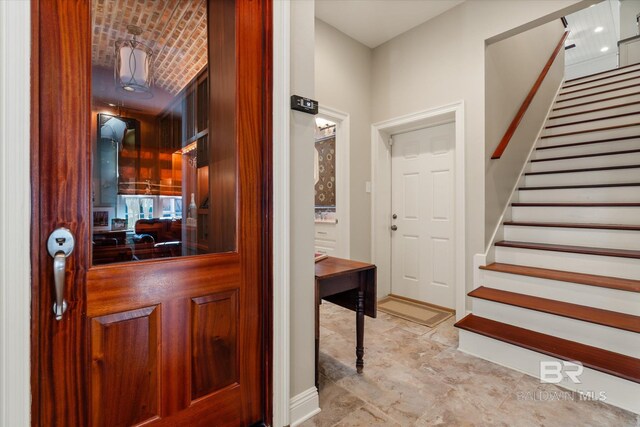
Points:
[(619, 392), (590, 136), (604, 147), (582, 195), (574, 293), (561, 109), (594, 115), (586, 162), (613, 74), (597, 95), (626, 268), (610, 176), (613, 239), (612, 339), (616, 121), (610, 85), (583, 215)]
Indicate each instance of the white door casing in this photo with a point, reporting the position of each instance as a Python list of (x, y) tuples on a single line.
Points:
[(381, 191), (423, 199), (341, 247)]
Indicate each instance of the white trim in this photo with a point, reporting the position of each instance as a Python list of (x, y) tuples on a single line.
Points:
[(343, 159), (281, 202), (381, 192), (15, 213), (304, 406)]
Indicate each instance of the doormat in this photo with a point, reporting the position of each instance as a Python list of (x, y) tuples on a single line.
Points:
[(414, 311)]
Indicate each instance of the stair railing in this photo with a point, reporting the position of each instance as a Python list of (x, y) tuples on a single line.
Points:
[(527, 101)]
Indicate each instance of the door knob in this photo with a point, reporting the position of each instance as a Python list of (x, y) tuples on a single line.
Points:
[(60, 245), (394, 227)]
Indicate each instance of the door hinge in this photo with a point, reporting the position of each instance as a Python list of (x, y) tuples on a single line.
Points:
[(390, 141)]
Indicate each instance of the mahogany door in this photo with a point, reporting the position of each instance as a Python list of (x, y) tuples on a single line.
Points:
[(168, 287)]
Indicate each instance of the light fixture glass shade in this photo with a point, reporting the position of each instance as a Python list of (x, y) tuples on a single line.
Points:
[(134, 67)]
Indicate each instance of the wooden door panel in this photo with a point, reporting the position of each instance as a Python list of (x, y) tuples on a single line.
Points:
[(124, 287), (170, 342), (214, 336), (125, 363)]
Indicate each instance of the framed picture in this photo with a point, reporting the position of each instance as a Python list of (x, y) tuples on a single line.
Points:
[(102, 218), (118, 224)]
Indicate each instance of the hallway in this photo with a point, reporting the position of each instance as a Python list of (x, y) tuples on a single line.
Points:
[(414, 376)]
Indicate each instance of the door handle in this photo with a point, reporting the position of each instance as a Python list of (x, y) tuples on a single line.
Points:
[(60, 245), (394, 227)]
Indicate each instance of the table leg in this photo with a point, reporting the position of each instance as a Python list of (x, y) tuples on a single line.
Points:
[(360, 332)]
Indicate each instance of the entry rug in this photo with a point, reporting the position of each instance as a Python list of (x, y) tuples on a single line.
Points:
[(414, 311)]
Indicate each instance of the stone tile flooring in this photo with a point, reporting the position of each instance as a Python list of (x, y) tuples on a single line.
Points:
[(415, 376)]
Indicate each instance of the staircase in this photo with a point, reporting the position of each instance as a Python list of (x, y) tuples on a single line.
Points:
[(565, 284)]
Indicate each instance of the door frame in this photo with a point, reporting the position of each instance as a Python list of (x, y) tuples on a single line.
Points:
[(28, 51), (15, 304), (281, 212), (343, 159), (381, 191), (15, 213)]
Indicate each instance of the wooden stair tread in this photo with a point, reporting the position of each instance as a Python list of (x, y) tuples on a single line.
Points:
[(612, 319), (626, 79), (579, 122), (618, 283), (597, 141), (578, 132), (594, 110), (596, 101), (631, 86), (606, 361), (600, 79), (578, 204), (569, 187), (620, 253), (584, 156), (602, 72), (604, 168), (575, 225)]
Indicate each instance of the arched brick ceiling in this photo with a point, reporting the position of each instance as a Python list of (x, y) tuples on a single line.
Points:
[(176, 30)]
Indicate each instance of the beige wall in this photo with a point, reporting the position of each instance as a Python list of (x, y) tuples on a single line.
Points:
[(442, 61), (302, 201), (511, 68), (343, 82)]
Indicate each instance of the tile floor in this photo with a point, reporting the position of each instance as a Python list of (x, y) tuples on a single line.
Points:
[(415, 376)]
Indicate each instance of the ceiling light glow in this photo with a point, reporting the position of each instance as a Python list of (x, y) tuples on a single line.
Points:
[(598, 29), (604, 49)]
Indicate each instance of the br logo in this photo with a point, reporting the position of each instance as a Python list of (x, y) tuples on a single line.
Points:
[(553, 372)]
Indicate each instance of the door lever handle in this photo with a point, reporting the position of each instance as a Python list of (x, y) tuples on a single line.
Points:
[(59, 270), (60, 245)]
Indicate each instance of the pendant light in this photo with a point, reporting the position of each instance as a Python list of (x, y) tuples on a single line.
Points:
[(134, 65)]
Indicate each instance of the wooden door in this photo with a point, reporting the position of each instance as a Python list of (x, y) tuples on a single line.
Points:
[(165, 340), (422, 199)]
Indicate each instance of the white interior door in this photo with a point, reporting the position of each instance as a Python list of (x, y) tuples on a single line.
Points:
[(422, 209)]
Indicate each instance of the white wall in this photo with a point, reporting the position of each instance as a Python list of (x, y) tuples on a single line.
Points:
[(343, 82), (628, 11), (302, 266), (442, 61), (511, 68)]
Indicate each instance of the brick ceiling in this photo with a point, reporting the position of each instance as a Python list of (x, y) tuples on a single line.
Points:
[(176, 30)]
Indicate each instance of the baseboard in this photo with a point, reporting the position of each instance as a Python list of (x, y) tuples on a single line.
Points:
[(619, 392), (304, 406)]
